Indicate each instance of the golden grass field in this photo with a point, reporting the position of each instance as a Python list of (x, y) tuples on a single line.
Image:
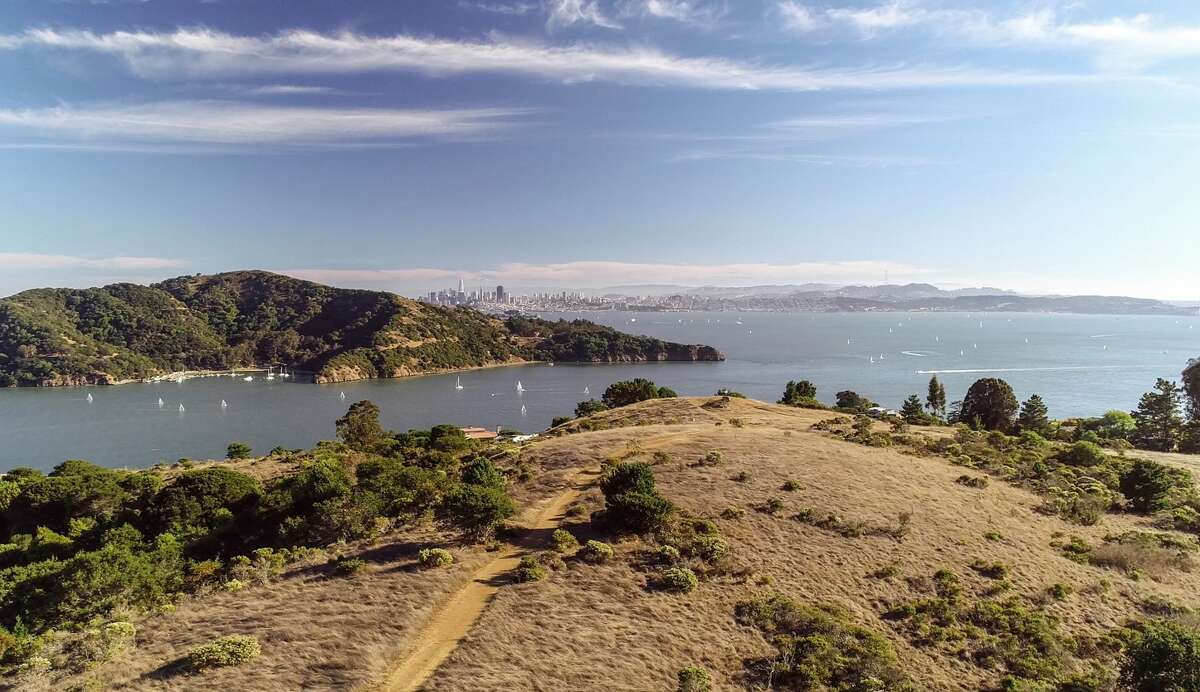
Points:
[(598, 627)]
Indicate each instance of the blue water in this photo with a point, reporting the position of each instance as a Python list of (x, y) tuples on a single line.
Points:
[(1081, 365)]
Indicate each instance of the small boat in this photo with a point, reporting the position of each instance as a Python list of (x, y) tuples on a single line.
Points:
[(89, 397), (961, 352), (872, 359), (880, 356), (523, 412), (458, 384), (587, 390), (974, 345), (520, 387), (270, 376), (223, 404), (343, 396), (248, 378), (160, 402), (179, 380), (181, 408)]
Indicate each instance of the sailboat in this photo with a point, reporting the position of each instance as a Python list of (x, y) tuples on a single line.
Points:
[(223, 404), (880, 356), (587, 390), (520, 387), (961, 352), (523, 412), (458, 384), (160, 402), (248, 378), (89, 397), (343, 396), (872, 359), (181, 408)]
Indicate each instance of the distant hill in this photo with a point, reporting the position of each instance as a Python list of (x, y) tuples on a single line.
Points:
[(252, 318)]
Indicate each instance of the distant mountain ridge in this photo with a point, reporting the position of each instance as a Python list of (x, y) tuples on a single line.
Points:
[(123, 332)]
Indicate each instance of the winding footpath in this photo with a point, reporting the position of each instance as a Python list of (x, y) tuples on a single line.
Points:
[(455, 617)]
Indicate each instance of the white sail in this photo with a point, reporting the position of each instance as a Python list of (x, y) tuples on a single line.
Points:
[(181, 408), (89, 397), (520, 387), (160, 402), (523, 412), (343, 396), (458, 384), (587, 390), (248, 378), (223, 404)]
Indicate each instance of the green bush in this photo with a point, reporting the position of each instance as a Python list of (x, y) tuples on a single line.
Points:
[(564, 541), (231, 650), (478, 509), (694, 679), (1084, 454), (435, 557), (1148, 484), (678, 579), (821, 648), (238, 450), (347, 566), (713, 458), (595, 552), (632, 502), (530, 569), (589, 408), (628, 392), (1164, 657)]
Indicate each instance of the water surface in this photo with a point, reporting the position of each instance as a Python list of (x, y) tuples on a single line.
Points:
[(1080, 364)]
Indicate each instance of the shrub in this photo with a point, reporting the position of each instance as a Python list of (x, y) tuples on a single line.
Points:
[(588, 408), (678, 579), (595, 552), (564, 541), (481, 471), (478, 508), (1165, 657), (972, 481), (1059, 591), (733, 513), (790, 486), (1032, 440), (991, 570), (1084, 454), (713, 458), (360, 428), (694, 679), (530, 569), (1148, 484), (238, 450), (232, 650), (632, 500), (820, 647), (347, 566), (435, 557), (669, 554), (628, 392)]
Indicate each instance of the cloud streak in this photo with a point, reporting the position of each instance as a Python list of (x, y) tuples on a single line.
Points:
[(234, 123), (205, 53), (26, 260)]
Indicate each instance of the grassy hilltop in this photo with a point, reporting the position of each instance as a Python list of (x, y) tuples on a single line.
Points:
[(675, 543), (242, 319)]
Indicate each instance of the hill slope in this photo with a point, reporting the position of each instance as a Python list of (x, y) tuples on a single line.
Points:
[(870, 533), (240, 319)]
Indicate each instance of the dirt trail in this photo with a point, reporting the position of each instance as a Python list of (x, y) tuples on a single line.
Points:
[(454, 618)]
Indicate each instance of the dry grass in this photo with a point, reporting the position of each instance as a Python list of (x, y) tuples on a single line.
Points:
[(600, 628)]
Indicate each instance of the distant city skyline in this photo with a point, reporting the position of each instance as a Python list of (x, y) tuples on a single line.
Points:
[(1043, 147)]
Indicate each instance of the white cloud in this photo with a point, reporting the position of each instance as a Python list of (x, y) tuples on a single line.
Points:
[(290, 90), (224, 122), (27, 260), (1120, 42), (796, 17), (598, 274), (207, 53), (515, 9), (570, 12), (686, 11)]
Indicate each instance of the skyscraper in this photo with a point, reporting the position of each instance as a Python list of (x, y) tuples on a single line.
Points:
[(462, 287), (500, 294)]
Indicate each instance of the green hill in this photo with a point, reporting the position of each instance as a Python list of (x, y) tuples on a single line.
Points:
[(123, 332)]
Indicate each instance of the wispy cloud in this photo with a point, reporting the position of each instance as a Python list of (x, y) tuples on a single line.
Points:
[(694, 12), (808, 159), (1129, 42), (563, 13), (597, 274), (291, 90), (515, 9), (796, 17), (27, 260), (223, 122), (208, 53)]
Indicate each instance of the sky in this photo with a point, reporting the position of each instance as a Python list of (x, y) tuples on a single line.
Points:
[(1046, 147)]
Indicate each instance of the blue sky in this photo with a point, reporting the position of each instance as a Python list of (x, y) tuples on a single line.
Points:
[(1042, 146)]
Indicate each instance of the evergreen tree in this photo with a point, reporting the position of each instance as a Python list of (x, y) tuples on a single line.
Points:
[(1034, 415), (1158, 419), (799, 393), (912, 411), (990, 404), (360, 428), (1191, 385), (935, 400)]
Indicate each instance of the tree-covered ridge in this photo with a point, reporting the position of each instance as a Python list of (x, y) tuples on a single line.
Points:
[(587, 342), (240, 319)]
